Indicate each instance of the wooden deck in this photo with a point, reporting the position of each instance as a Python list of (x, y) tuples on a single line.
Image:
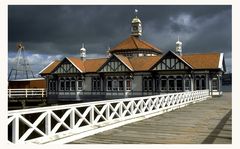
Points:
[(205, 122)]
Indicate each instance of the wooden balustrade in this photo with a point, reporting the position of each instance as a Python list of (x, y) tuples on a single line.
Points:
[(32, 125)]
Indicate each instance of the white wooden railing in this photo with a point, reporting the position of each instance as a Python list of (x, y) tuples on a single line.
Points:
[(26, 92), (49, 123)]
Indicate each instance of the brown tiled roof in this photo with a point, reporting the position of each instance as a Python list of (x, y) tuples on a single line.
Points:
[(78, 63), (125, 60), (92, 65), (134, 43), (143, 63), (203, 61), (48, 69)]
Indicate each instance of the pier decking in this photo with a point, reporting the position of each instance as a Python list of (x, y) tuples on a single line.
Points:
[(205, 122)]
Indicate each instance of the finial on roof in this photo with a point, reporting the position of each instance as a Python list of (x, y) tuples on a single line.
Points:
[(179, 47), (136, 11), (83, 52), (108, 51)]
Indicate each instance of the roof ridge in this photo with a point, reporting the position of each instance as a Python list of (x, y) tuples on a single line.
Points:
[(149, 45), (133, 38), (202, 53)]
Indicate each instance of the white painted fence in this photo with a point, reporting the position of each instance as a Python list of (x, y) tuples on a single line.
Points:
[(26, 92), (41, 125)]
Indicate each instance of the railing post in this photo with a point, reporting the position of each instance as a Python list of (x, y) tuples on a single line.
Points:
[(9, 93), (92, 115), (72, 118), (108, 111), (48, 123), (15, 129), (26, 92), (42, 92), (121, 110), (132, 109)]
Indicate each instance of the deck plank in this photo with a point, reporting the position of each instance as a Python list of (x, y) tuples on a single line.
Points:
[(206, 122)]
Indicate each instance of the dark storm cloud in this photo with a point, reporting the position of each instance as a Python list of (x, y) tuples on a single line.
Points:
[(62, 29)]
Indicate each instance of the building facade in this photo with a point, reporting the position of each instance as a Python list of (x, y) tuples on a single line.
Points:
[(133, 68)]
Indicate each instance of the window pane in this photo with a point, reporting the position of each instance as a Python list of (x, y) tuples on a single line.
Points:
[(67, 85), (62, 86), (187, 84), (109, 85), (150, 84), (163, 84), (79, 84), (73, 85), (171, 85), (145, 85), (128, 85), (115, 85), (179, 84), (120, 85)]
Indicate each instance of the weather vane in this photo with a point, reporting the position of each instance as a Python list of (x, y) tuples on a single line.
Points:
[(136, 11)]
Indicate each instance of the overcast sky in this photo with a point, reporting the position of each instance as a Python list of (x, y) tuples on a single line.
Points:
[(53, 32)]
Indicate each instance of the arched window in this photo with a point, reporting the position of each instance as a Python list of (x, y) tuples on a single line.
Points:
[(62, 84), (147, 84), (120, 83), (203, 79), (96, 85), (163, 83), (157, 84), (171, 83), (80, 84), (179, 83), (115, 84), (109, 83), (198, 83), (73, 84), (128, 84), (187, 84), (67, 87)]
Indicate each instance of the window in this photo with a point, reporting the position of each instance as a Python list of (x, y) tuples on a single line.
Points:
[(50, 85), (109, 84), (163, 83), (96, 84), (203, 82), (157, 84), (73, 84), (128, 84), (150, 84), (187, 84), (115, 84), (67, 84), (198, 83), (147, 84), (171, 84), (179, 83), (120, 83), (62, 84), (54, 86), (80, 84)]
